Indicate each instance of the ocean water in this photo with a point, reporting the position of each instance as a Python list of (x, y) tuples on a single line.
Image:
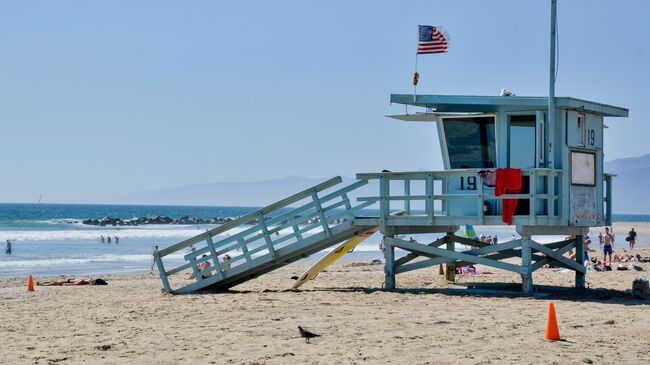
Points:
[(49, 239)]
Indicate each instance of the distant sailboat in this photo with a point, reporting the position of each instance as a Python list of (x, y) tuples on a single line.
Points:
[(40, 199)]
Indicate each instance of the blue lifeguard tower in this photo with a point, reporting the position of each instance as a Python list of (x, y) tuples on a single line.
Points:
[(563, 191), (533, 162)]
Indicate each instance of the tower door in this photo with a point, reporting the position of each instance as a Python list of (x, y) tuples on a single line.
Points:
[(522, 141), (522, 151)]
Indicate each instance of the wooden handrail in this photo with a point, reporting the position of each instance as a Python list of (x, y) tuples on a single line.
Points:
[(251, 216)]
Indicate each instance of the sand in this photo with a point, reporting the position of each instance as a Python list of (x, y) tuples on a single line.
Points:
[(131, 321)]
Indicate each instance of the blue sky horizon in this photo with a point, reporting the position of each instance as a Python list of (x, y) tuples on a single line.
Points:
[(102, 99)]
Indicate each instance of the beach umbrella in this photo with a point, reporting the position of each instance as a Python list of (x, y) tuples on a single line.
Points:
[(469, 232)]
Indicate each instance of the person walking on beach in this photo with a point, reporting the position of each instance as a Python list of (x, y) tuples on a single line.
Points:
[(608, 242), (8, 248), (631, 238), (600, 239), (153, 263)]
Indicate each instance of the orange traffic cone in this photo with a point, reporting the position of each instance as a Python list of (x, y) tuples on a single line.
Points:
[(441, 271), (30, 283), (552, 332)]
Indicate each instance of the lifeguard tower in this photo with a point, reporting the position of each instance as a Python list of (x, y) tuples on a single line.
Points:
[(533, 162), (560, 185), (560, 189)]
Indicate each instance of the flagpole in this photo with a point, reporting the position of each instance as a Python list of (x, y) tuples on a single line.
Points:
[(551, 88), (416, 76)]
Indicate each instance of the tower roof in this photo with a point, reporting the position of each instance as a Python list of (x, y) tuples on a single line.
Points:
[(486, 104)]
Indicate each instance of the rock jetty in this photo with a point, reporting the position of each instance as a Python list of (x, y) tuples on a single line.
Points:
[(158, 219)]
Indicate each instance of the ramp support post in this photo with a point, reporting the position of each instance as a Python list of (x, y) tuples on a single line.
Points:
[(348, 206), (321, 214), (296, 230), (215, 257), (267, 236), (244, 249), (163, 275)]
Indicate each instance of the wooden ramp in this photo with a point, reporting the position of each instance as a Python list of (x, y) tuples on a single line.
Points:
[(263, 241)]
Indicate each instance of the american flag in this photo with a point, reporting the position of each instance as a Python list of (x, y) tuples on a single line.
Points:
[(432, 40)]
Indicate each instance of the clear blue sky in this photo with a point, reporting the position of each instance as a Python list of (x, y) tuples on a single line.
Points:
[(103, 98)]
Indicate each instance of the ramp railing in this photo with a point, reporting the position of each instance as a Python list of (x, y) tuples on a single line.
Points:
[(265, 236)]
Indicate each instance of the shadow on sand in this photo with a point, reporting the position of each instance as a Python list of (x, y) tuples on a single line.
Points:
[(502, 290)]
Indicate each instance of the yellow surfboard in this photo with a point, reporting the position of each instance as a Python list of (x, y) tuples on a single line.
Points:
[(336, 254)]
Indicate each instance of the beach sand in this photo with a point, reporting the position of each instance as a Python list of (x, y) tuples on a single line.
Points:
[(131, 321)]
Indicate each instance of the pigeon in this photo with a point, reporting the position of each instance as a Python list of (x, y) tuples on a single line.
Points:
[(306, 334), (294, 278)]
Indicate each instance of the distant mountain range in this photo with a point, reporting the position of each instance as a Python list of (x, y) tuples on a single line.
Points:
[(246, 194), (629, 196), (632, 175)]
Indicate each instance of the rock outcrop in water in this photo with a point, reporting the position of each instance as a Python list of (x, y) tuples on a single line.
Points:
[(161, 219), (158, 219)]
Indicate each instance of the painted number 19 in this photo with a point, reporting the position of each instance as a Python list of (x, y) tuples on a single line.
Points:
[(468, 183)]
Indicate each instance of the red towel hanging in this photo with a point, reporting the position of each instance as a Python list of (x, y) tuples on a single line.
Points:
[(508, 182)]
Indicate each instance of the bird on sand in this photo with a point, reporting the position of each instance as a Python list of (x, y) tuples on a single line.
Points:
[(306, 334)]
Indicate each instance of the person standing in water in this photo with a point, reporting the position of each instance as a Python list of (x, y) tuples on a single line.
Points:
[(8, 248), (117, 240), (153, 263)]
